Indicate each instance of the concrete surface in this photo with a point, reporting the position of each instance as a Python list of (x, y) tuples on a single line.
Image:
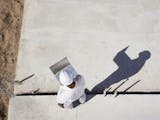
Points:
[(123, 107), (90, 33)]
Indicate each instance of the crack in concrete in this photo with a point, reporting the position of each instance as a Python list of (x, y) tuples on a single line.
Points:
[(21, 81), (91, 93)]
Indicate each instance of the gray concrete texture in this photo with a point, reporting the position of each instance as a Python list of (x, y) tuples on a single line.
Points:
[(92, 35), (111, 43), (123, 107)]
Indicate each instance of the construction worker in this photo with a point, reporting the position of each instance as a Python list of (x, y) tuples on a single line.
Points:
[(71, 89)]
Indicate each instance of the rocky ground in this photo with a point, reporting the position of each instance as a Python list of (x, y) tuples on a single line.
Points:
[(10, 26)]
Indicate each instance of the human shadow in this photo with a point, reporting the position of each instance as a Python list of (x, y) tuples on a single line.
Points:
[(127, 67)]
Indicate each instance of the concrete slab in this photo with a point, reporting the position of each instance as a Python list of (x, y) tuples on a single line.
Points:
[(90, 33), (38, 108), (128, 107), (123, 107)]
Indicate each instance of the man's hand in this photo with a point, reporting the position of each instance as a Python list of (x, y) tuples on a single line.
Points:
[(61, 105)]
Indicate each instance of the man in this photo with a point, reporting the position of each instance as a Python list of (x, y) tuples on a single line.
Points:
[(71, 89)]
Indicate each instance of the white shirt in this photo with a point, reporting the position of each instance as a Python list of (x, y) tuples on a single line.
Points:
[(68, 95)]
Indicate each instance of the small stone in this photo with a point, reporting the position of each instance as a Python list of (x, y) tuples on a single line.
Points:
[(8, 18), (1, 37)]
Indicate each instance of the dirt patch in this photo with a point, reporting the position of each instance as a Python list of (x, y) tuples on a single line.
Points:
[(10, 26)]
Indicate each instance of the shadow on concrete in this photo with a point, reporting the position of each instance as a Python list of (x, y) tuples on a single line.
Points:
[(127, 67)]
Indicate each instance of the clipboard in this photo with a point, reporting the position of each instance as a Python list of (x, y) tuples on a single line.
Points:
[(63, 64)]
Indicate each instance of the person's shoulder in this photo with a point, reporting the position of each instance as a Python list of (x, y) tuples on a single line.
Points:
[(80, 79)]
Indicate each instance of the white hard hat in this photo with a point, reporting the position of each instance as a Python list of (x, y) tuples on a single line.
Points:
[(66, 77)]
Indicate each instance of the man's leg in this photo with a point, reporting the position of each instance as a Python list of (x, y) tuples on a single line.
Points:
[(82, 99)]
